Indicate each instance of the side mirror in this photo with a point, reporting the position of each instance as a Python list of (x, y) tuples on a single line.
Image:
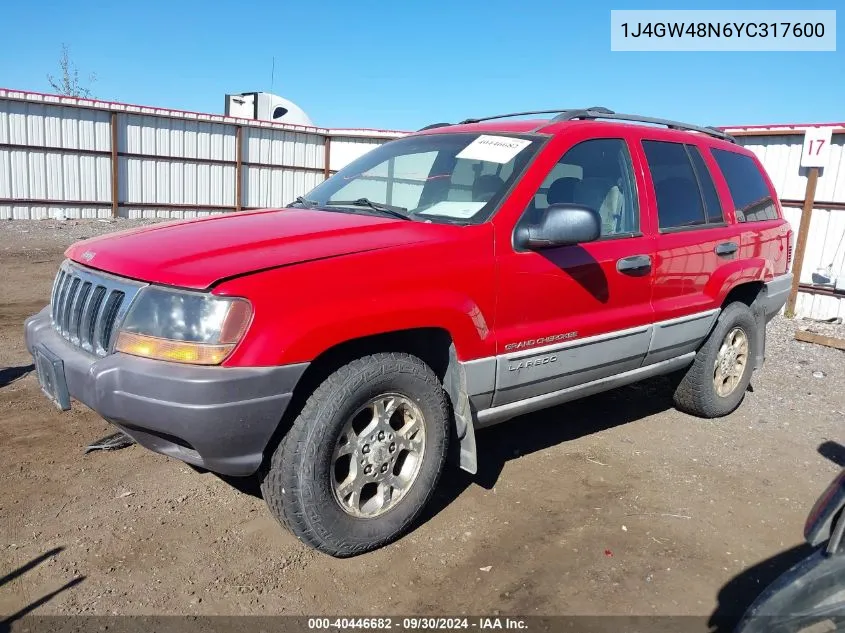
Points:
[(561, 225)]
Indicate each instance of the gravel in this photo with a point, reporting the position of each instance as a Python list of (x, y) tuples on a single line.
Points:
[(711, 509), (834, 328), (23, 234)]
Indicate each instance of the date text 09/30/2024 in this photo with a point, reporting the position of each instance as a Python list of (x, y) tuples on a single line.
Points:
[(417, 623)]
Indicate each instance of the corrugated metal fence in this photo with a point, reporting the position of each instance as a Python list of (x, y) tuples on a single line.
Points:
[(779, 148), (81, 158)]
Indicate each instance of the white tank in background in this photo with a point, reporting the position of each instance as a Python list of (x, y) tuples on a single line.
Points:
[(264, 106)]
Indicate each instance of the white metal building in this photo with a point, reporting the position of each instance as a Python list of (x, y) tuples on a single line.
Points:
[(84, 158)]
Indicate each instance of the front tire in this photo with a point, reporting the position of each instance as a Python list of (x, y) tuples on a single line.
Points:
[(363, 457), (715, 384)]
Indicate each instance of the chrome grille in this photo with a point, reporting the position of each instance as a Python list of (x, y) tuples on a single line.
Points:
[(87, 306)]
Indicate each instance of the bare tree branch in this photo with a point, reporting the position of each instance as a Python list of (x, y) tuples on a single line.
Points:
[(68, 84)]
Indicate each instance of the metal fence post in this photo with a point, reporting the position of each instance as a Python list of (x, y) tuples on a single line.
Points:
[(801, 240), (327, 166), (239, 163), (115, 189)]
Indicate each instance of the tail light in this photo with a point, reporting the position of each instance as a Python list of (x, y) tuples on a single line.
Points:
[(788, 250)]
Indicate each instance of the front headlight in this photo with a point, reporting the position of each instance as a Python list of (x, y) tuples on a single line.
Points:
[(185, 327)]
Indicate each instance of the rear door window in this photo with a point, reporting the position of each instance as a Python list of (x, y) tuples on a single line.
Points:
[(751, 196), (708, 189), (680, 203)]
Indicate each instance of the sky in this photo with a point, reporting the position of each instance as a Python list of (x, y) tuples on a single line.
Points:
[(401, 65)]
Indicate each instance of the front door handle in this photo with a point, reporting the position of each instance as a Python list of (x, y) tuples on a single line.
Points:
[(634, 265), (726, 248)]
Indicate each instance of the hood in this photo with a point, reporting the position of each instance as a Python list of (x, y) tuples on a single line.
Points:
[(197, 253)]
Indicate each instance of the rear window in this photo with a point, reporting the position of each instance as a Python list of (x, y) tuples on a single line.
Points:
[(750, 194)]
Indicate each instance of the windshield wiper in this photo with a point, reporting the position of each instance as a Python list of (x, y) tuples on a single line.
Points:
[(396, 212), (305, 202)]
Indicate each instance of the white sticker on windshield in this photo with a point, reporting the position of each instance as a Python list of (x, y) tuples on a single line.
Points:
[(494, 149), (453, 209)]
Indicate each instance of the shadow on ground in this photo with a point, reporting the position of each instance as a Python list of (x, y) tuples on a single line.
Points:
[(833, 451), (9, 375), (740, 592), (20, 571), (543, 429), (531, 433)]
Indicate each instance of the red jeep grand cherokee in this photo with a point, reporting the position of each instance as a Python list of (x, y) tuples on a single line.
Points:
[(446, 281)]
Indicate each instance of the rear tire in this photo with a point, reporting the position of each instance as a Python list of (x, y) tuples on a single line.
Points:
[(715, 384), (363, 457)]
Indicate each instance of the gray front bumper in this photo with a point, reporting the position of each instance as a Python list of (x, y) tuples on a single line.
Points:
[(219, 418)]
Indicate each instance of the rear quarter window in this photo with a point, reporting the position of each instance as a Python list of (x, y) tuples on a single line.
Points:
[(752, 199)]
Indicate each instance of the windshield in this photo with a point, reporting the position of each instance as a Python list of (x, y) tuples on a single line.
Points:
[(439, 177)]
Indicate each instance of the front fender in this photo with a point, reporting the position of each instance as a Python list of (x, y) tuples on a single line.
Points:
[(300, 311), (311, 331)]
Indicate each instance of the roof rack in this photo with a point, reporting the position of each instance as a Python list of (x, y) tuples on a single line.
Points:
[(597, 112), (432, 126), (596, 109), (603, 113)]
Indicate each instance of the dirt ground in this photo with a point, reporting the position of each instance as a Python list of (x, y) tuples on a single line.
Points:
[(616, 504)]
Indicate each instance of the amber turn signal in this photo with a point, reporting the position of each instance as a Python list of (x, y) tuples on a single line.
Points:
[(157, 327), (176, 351)]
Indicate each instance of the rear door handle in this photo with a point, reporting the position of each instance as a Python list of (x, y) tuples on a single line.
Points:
[(634, 265), (726, 248)]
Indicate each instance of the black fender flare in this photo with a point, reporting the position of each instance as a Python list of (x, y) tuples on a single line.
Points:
[(455, 385)]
